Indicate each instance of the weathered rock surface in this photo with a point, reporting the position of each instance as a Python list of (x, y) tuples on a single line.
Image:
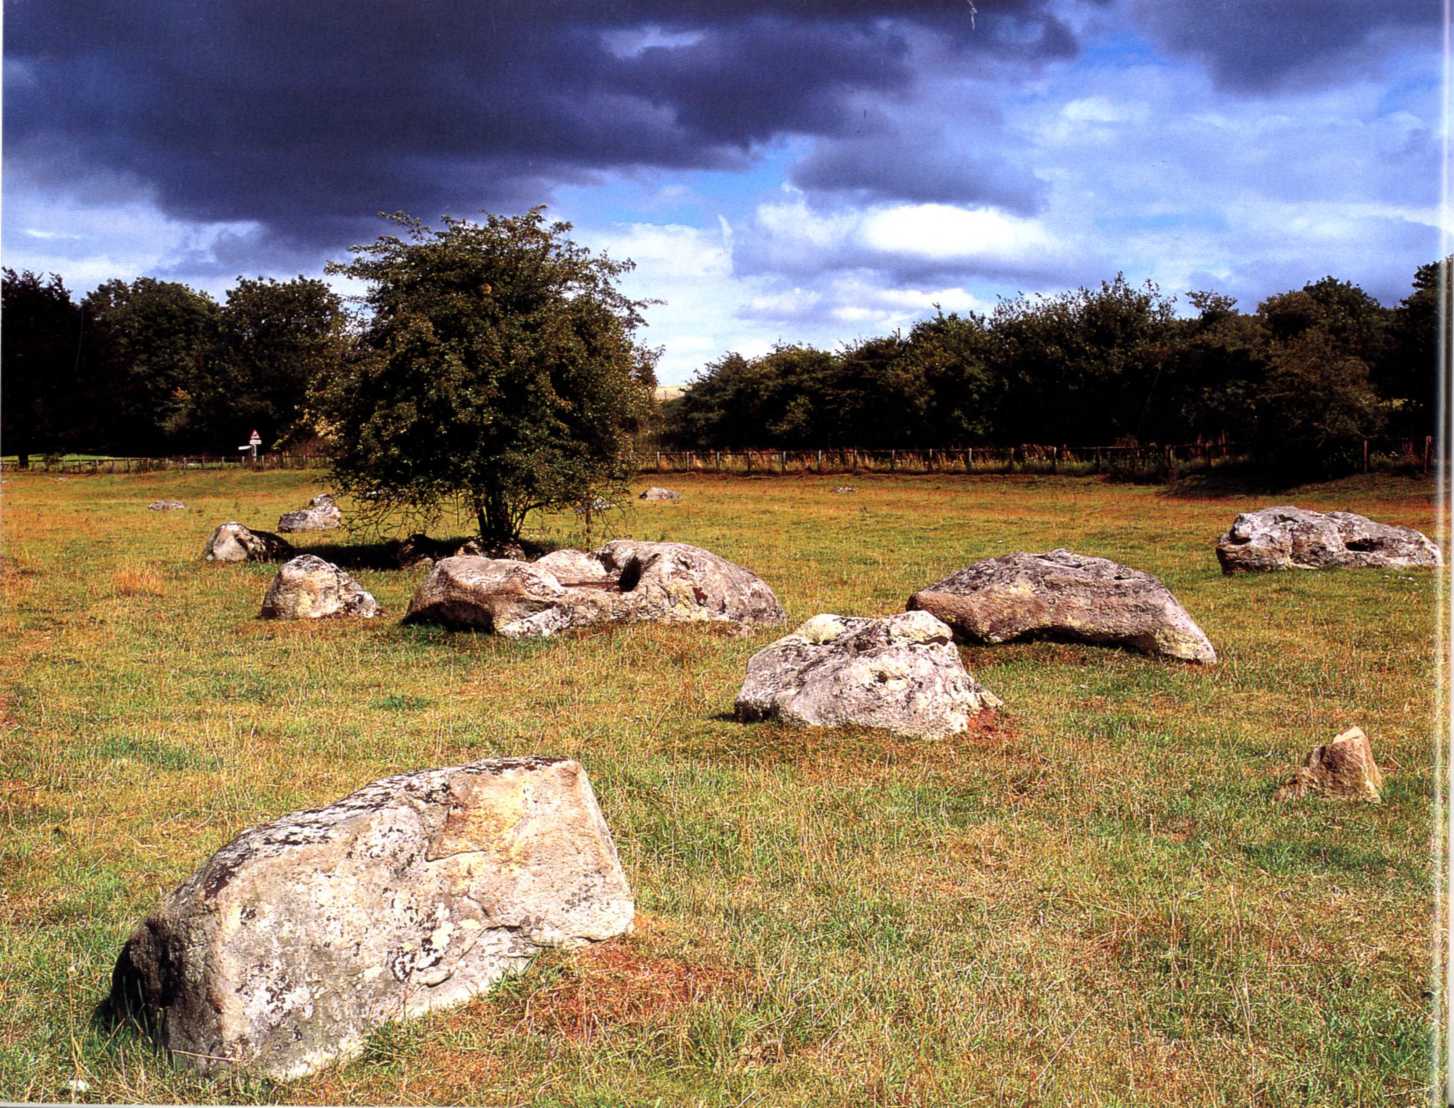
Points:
[(166, 506), (658, 493), (1295, 538), (1343, 767), (322, 514), (415, 893), (1065, 596), (902, 673), (232, 542), (624, 581), (307, 587)]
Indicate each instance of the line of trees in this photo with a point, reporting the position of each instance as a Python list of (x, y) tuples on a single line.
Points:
[(155, 367), (1303, 380)]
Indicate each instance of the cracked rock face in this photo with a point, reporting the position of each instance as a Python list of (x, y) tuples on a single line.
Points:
[(307, 587), (232, 542), (656, 492), (902, 673), (293, 942), (1068, 597), (1343, 767), (624, 581), (322, 514), (1295, 538)]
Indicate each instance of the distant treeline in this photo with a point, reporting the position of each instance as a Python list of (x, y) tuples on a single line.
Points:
[(152, 367), (1303, 380)]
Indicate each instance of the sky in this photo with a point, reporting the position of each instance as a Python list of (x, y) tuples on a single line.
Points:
[(811, 171)]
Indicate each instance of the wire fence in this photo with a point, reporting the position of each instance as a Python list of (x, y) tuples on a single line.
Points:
[(1149, 460)]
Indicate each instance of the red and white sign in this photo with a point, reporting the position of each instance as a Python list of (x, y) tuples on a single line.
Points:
[(254, 439)]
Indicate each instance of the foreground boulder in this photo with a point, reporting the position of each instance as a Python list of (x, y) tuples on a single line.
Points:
[(307, 587), (166, 506), (1343, 767), (1065, 596), (297, 939), (903, 674), (624, 581), (1295, 538), (232, 542), (322, 514), (658, 493)]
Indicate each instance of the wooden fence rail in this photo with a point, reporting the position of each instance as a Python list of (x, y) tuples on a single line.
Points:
[(1025, 458)]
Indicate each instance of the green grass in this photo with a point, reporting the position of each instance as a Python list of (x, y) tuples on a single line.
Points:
[(1092, 900)]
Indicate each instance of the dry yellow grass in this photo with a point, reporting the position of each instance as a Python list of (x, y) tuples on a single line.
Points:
[(1090, 898)]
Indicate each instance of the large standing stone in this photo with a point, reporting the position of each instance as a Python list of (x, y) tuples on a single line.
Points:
[(1295, 538), (307, 587), (514, 599), (1065, 596), (624, 581), (322, 514), (232, 542), (902, 673), (415, 893), (1343, 767), (671, 582)]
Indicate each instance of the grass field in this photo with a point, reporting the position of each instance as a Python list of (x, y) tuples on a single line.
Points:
[(1091, 899)]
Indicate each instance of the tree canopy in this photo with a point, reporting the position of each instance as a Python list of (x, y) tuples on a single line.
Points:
[(497, 371)]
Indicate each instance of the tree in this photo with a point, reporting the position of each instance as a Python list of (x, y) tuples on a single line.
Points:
[(37, 362), (497, 372), (1409, 373), (152, 345), (276, 339)]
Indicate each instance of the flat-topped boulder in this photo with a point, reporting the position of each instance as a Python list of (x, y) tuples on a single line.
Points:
[(321, 514), (1296, 538), (656, 492), (232, 542), (624, 581), (307, 587), (417, 892), (903, 674), (1068, 597)]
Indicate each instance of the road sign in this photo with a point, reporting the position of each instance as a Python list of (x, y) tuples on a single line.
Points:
[(254, 439)]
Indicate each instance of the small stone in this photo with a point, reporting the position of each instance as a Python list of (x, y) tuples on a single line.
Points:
[(1066, 596), (1295, 538), (902, 674), (321, 514), (657, 493), (232, 542), (307, 587), (291, 944), (844, 490), (1343, 767), (166, 506)]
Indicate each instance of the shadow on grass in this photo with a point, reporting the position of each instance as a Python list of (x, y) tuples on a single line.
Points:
[(1227, 482)]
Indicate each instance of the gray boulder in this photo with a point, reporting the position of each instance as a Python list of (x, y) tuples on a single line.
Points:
[(418, 892), (166, 506), (1065, 596), (232, 542), (307, 587), (322, 514), (658, 493), (1295, 538), (903, 674), (624, 581)]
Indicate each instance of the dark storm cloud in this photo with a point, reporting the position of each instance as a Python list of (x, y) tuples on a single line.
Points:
[(310, 118), (1260, 45)]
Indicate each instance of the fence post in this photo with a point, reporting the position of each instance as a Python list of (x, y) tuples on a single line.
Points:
[(1428, 452), (1365, 455), (1055, 459)]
